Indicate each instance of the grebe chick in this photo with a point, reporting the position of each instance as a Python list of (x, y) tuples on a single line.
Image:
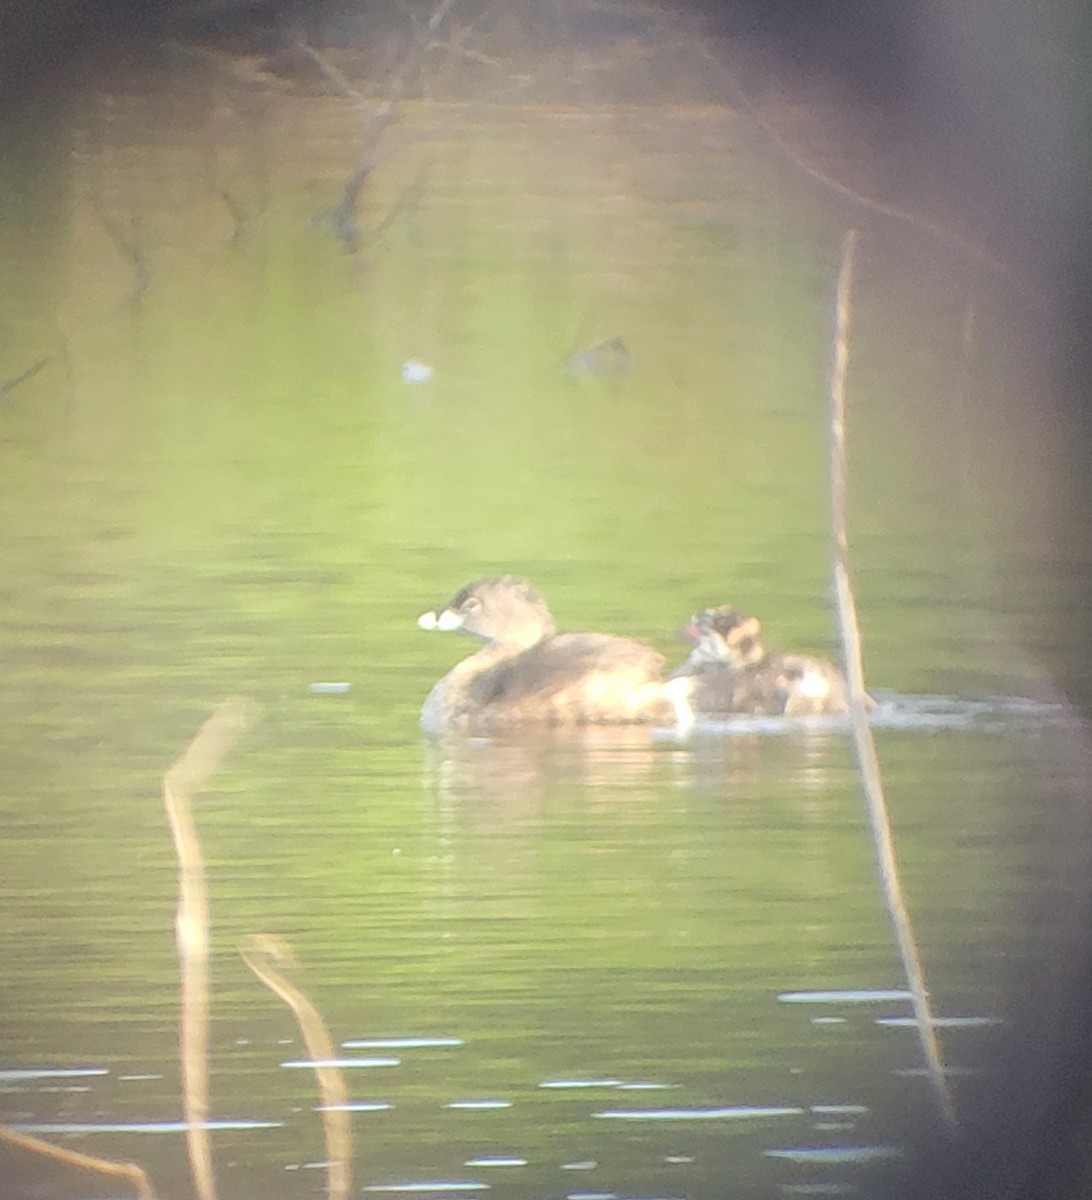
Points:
[(730, 670)]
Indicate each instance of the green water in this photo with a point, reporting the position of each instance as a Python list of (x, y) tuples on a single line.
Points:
[(221, 484)]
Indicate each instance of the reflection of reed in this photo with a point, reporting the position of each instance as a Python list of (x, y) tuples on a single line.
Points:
[(343, 217), (199, 761), (84, 1162), (260, 953), (863, 742), (505, 780)]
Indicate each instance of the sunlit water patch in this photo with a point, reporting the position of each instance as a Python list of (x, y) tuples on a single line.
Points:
[(497, 1160), (478, 1105), (355, 1106), (343, 1064), (621, 1085), (948, 1069), (847, 996), (403, 1043), (817, 1189), (426, 1187), (561, 1084), (941, 1022), (32, 1074), (834, 1154), (89, 1127), (734, 1113)]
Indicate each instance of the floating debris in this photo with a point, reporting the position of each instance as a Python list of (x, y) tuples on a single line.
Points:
[(415, 371), (603, 360)]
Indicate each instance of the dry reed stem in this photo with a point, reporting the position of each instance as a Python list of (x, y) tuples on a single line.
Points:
[(197, 764), (864, 744), (960, 393), (84, 1162), (259, 953)]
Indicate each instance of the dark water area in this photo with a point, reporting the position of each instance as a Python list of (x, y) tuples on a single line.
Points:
[(585, 339)]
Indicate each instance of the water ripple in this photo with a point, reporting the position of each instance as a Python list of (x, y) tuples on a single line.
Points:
[(735, 1113)]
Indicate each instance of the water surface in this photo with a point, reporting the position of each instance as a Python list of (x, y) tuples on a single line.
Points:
[(559, 965)]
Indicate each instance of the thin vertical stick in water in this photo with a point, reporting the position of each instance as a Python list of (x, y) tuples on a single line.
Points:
[(863, 742), (198, 763), (260, 953), (959, 406), (83, 1162)]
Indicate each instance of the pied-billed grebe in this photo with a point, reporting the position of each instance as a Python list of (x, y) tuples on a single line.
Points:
[(730, 670), (527, 672)]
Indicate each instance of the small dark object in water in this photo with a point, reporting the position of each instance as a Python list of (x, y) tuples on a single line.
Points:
[(11, 384), (603, 360)]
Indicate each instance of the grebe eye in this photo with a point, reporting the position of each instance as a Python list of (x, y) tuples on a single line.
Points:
[(471, 604)]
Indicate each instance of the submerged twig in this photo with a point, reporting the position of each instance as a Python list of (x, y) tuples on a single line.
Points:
[(128, 251), (942, 234), (9, 385), (342, 217), (477, 56), (609, 358), (863, 742), (64, 359), (960, 393), (333, 75), (406, 199), (84, 1162), (239, 216), (438, 14), (199, 761), (260, 953)]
